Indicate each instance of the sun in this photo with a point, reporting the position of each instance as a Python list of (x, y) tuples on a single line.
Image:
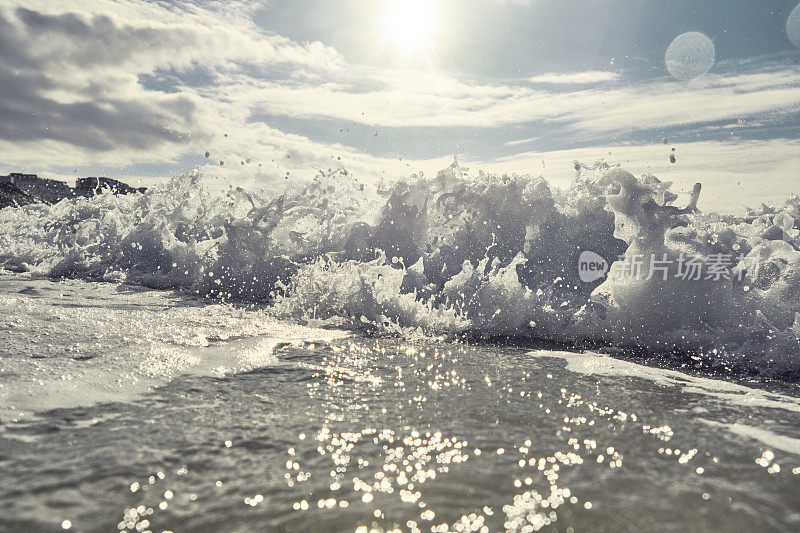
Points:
[(409, 25)]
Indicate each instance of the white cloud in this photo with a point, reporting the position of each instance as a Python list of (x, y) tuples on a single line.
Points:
[(520, 142), (513, 2), (575, 78), (420, 99), (733, 174), (71, 81), (116, 83)]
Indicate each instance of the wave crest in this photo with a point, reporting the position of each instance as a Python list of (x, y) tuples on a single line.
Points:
[(460, 253)]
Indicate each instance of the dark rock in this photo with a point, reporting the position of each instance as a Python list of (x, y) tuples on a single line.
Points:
[(39, 189), (18, 189), (92, 186), (12, 196)]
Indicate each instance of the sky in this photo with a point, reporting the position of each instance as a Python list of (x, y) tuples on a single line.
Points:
[(278, 90)]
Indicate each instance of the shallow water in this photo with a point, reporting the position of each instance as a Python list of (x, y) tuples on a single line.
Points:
[(266, 426)]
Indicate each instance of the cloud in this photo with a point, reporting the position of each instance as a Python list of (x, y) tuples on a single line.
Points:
[(74, 79), (522, 141), (152, 83), (513, 2), (575, 78), (425, 99), (733, 174)]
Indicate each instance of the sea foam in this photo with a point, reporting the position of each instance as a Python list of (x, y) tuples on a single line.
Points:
[(460, 254)]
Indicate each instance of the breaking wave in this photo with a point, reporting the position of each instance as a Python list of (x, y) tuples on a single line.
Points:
[(461, 254)]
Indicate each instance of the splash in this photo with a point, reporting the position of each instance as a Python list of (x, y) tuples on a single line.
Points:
[(462, 253)]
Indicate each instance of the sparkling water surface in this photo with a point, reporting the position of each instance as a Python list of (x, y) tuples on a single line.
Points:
[(350, 433)]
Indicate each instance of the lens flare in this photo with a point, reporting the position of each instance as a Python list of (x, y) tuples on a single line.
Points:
[(690, 56)]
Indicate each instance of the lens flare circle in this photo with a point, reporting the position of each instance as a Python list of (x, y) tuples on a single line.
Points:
[(690, 56), (793, 26)]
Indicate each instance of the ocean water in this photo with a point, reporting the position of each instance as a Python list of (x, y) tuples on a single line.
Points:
[(421, 356), (125, 409)]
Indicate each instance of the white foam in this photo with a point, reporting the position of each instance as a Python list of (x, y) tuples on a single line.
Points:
[(70, 344), (768, 438), (596, 364), (460, 253)]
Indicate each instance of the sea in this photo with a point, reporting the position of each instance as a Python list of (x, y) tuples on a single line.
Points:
[(466, 352)]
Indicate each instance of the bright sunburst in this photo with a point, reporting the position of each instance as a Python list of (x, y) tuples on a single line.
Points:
[(409, 25)]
